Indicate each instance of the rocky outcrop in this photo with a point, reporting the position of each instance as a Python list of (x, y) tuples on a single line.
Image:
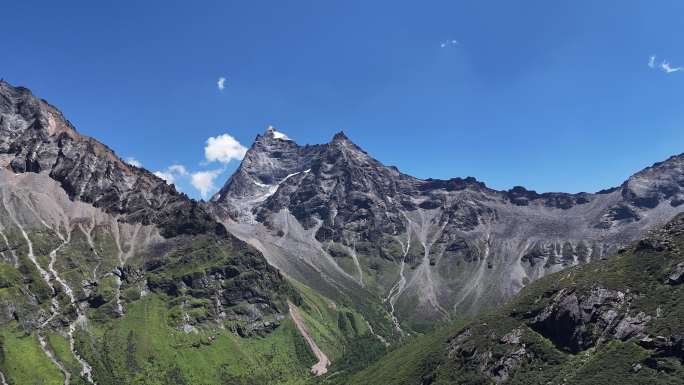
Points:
[(576, 322), (672, 346), (676, 277), (499, 366), (661, 182)]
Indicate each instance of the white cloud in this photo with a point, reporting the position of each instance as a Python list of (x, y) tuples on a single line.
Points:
[(221, 83), (668, 68), (178, 169), (172, 173), (223, 148), (651, 61), (203, 181), (133, 162)]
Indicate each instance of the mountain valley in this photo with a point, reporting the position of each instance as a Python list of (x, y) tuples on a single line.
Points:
[(317, 264)]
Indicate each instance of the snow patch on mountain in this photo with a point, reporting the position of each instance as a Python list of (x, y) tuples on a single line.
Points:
[(277, 134)]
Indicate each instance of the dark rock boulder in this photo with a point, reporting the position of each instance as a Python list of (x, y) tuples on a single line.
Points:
[(676, 277), (576, 322)]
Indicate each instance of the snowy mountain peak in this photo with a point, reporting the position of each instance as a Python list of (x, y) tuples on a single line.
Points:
[(275, 134)]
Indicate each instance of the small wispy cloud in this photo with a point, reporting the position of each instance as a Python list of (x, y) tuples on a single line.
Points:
[(223, 148), (448, 43), (203, 181), (668, 68), (665, 66), (178, 169), (133, 162), (221, 83)]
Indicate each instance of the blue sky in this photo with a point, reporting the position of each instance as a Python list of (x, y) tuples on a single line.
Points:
[(554, 96)]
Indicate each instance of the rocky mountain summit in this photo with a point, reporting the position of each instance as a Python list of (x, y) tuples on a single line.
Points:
[(426, 248)]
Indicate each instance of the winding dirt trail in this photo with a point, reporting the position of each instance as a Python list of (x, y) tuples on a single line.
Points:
[(321, 367)]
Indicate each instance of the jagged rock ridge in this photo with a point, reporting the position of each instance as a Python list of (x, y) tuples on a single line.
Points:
[(36, 137), (426, 247)]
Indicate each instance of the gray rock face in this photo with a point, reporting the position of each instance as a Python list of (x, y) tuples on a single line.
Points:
[(426, 247), (659, 183), (577, 322), (36, 137)]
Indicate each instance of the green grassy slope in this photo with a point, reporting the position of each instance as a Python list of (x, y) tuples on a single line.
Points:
[(199, 310), (22, 360), (147, 347), (407, 364)]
